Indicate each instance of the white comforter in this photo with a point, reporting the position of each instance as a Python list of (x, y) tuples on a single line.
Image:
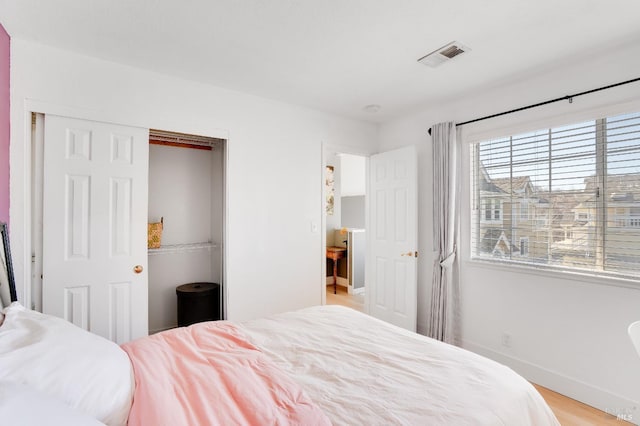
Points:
[(362, 371)]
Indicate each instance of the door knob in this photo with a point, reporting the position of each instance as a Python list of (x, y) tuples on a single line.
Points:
[(410, 254), (137, 269)]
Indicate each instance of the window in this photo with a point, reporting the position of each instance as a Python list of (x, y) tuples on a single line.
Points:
[(487, 209), (574, 190), (582, 216), (626, 218), (492, 210), (524, 246)]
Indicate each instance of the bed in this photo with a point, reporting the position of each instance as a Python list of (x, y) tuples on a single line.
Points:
[(316, 366)]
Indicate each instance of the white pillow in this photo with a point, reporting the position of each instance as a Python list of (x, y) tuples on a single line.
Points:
[(25, 406), (87, 372)]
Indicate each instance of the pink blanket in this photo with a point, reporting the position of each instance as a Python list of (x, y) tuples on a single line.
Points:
[(209, 374)]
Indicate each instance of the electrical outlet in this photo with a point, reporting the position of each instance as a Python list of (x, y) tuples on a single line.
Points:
[(506, 340), (314, 227)]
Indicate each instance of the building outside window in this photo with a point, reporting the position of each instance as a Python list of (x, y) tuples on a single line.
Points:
[(524, 209), (570, 194)]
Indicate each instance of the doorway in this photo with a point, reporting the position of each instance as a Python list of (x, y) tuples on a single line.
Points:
[(345, 227), (391, 230), (186, 193)]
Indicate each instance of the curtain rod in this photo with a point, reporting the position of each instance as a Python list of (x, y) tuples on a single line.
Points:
[(568, 97)]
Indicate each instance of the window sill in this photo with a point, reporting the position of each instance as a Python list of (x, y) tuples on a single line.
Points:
[(557, 273)]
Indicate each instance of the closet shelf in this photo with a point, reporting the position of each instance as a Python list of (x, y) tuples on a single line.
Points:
[(181, 248)]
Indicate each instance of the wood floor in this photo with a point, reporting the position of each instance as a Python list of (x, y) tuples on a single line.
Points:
[(568, 411), (574, 413), (343, 298)]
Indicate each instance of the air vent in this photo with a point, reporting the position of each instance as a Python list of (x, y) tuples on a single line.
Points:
[(451, 51), (444, 54)]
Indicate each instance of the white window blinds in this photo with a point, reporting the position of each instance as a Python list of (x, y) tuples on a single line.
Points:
[(568, 197)]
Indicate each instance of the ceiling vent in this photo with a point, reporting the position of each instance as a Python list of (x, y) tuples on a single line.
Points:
[(444, 54)]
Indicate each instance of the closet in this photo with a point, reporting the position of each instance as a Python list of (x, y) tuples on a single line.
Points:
[(186, 191), (93, 186)]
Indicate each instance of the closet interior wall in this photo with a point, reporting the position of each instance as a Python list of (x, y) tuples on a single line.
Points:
[(186, 190)]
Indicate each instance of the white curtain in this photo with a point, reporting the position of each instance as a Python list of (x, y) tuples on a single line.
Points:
[(444, 319)]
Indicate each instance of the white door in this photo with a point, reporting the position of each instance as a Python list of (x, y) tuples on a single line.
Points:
[(95, 226), (393, 230)]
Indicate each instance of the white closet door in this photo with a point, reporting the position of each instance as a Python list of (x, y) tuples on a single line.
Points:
[(95, 226), (392, 261)]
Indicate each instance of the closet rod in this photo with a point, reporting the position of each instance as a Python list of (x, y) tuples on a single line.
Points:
[(563, 98), (180, 145)]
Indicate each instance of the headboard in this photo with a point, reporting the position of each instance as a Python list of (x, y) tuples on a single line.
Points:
[(7, 280)]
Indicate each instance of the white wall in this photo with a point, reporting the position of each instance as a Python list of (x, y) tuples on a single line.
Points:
[(274, 163), (567, 334), (353, 184), (166, 272), (182, 185), (180, 190), (353, 211), (353, 175)]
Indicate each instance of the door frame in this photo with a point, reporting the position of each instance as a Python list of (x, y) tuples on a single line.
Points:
[(25, 158), (342, 149)]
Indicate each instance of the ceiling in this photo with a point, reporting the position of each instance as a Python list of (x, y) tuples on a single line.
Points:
[(332, 55)]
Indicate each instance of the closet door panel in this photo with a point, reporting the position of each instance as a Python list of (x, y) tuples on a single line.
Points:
[(94, 226)]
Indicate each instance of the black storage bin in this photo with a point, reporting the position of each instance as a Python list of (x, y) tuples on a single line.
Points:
[(198, 302)]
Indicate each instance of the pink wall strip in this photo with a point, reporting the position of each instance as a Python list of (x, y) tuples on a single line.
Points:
[(4, 124)]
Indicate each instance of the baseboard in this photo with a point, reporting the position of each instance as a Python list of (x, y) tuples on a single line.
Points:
[(342, 282), (602, 399)]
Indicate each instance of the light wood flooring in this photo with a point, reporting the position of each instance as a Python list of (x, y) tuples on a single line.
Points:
[(574, 413), (568, 411), (343, 298)]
